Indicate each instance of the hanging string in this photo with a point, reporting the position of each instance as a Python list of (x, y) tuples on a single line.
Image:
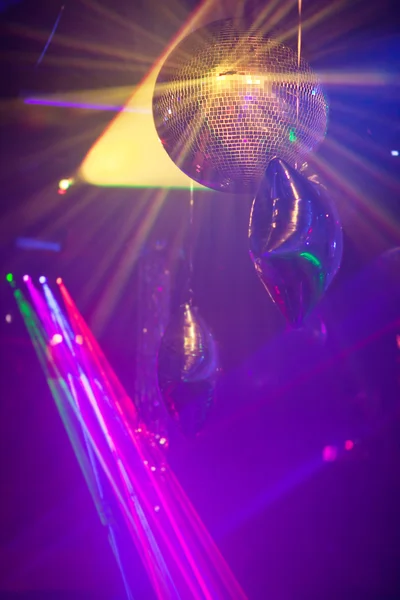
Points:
[(39, 60), (190, 243), (299, 35), (298, 73)]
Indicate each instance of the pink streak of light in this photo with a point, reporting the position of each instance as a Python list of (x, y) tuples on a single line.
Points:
[(42, 310), (185, 503), (205, 538), (91, 345), (50, 365), (67, 363), (100, 360)]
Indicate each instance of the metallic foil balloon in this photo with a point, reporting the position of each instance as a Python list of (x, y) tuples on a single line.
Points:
[(187, 369), (295, 240), (229, 98)]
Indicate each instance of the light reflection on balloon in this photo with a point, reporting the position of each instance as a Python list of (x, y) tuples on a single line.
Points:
[(296, 240), (187, 369)]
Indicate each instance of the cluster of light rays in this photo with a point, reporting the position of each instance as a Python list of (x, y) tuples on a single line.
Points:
[(119, 146), (122, 145), (267, 18), (129, 154), (180, 557)]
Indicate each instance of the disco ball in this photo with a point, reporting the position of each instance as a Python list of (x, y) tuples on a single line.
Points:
[(228, 99)]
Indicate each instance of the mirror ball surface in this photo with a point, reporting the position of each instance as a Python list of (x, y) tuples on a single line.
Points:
[(228, 99)]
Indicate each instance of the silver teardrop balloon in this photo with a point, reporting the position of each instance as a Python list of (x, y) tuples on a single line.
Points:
[(296, 240), (187, 369)]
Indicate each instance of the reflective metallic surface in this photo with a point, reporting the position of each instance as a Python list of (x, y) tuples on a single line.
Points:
[(152, 317), (227, 100), (296, 240), (187, 369)]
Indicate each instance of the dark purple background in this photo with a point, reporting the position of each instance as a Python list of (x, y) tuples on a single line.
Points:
[(290, 526)]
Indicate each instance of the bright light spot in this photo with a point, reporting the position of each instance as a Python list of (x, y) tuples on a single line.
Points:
[(349, 445), (9, 277), (152, 468), (58, 281), (144, 330), (157, 508), (139, 430), (163, 441), (79, 340), (163, 469), (26, 278), (42, 279), (56, 339), (146, 462), (8, 318), (398, 341), (329, 453), (394, 153), (249, 81), (65, 184)]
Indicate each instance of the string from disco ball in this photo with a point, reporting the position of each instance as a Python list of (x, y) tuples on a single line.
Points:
[(190, 243), (298, 75)]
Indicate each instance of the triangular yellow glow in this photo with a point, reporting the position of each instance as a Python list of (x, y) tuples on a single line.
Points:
[(129, 153)]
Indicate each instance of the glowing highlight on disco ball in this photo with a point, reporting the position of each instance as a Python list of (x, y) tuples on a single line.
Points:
[(228, 100)]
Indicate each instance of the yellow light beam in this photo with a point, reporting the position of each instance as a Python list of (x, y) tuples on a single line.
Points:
[(129, 153)]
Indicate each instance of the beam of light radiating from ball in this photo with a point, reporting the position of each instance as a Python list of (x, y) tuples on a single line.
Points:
[(296, 240)]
